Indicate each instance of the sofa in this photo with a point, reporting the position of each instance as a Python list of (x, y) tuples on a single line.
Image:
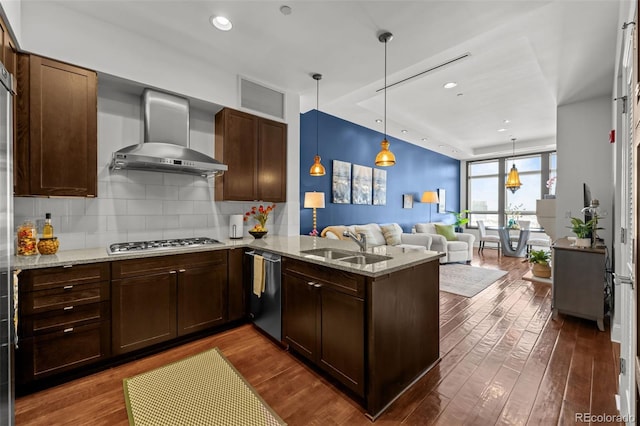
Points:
[(459, 246), (377, 235)]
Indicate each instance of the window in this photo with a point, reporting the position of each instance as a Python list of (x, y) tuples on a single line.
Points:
[(490, 201)]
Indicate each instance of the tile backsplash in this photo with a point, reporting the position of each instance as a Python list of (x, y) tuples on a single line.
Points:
[(139, 205)]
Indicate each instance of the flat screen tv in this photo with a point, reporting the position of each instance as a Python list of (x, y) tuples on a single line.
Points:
[(587, 202)]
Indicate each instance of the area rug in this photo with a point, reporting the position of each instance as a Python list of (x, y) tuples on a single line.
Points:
[(204, 389), (467, 280)]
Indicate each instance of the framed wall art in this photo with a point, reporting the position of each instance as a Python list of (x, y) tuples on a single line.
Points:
[(379, 187), (442, 204), (341, 182), (407, 201), (361, 192)]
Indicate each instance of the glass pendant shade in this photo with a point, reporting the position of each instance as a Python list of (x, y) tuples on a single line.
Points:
[(317, 169), (513, 180), (385, 157)]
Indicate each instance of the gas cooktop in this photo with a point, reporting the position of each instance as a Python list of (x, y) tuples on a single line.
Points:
[(122, 248)]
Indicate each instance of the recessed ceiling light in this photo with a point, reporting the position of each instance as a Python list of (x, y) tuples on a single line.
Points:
[(285, 10), (459, 94), (450, 85), (506, 121), (404, 131), (221, 23), (455, 151), (502, 130), (424, 139), (440, 146), (378, 121)]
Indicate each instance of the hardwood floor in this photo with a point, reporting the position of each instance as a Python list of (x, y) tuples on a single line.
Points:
[(504, 361)]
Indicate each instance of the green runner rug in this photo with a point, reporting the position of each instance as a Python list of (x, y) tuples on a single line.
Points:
[(204, 389)]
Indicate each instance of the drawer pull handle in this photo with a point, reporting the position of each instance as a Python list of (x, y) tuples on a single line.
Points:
[(316, 285), (173, 272), (67, 287), (182, 270), (68, 330), (68, 308), (311, 283)]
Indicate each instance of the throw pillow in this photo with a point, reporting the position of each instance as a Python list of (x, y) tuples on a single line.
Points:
[(446, 231), (392, 233), (373, 233)]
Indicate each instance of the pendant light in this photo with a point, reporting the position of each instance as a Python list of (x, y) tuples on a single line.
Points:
[(385, 157), (317, 169), (513, 180)]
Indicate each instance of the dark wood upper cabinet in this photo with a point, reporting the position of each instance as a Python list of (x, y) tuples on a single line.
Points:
[(56, 133), (255, 149)]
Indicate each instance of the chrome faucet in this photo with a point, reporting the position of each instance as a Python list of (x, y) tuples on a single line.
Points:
[(361, 241)]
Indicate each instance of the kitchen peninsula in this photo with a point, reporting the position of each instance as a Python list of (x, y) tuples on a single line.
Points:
[(373, 327)]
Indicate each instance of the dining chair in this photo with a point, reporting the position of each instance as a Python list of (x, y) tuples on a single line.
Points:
[(537, 241), (486, 238)]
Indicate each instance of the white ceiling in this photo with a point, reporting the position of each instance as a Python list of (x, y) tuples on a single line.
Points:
[(526, 57)]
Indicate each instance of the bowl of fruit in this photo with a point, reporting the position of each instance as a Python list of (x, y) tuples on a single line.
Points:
[(258, 232)]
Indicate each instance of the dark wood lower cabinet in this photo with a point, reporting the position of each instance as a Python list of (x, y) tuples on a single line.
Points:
[(376, 336), (81, 316), (202, 294), (324, 322), (144, 311)]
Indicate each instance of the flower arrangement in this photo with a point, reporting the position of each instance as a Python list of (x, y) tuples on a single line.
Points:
[(260, 214), (513, 215)]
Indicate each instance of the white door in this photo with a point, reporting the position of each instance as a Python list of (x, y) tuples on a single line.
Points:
[(625, 259)]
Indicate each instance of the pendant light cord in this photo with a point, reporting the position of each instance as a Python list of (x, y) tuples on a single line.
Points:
[(385, 89), (317, 113)]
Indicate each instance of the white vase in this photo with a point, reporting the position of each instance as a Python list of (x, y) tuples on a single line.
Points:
[(583, 242)]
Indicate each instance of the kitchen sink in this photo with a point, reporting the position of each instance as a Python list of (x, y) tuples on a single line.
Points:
[(365, 258), (355, 257)]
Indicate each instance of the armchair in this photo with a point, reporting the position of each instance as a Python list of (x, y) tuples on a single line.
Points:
[(460, 250)]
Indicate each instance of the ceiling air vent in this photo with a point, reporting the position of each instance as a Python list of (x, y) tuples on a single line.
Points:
[(261, 99)]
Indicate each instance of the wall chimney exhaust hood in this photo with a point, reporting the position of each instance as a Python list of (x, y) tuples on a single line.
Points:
[(166, 140)]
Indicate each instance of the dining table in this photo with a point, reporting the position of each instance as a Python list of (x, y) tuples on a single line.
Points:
[(508, 248)]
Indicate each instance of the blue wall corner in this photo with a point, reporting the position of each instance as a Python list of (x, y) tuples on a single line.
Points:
[(417, 170)]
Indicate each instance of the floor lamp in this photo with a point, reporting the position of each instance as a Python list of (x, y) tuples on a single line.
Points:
[(430, 197), (314, 200)]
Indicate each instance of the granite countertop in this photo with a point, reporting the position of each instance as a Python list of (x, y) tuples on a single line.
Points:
[(285, 246)]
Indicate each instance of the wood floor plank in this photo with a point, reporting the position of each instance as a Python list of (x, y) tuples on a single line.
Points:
[(503, 361)]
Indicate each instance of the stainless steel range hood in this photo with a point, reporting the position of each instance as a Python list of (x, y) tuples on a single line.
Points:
[(166, 140)]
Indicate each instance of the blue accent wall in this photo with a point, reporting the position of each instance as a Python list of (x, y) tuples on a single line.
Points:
[(416, 170)]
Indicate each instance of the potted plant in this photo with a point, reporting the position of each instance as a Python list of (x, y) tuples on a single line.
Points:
[(459, 219), (583, 231), (539, 260)]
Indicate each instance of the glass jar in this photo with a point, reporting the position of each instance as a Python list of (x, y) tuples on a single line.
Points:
[(48, 245), (26, 239)]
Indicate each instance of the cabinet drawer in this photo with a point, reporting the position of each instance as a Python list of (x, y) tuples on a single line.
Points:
[(137, 267), (51, 353), (60, 319), (341, 281), (41, 279), (69, 297)]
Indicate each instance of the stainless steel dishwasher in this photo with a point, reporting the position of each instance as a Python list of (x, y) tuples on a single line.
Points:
[(266, 310)]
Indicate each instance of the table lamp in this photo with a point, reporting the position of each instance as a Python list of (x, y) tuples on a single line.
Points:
[(314, 200), (430, 197)]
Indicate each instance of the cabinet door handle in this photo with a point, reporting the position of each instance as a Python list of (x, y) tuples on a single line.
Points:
[(182, 270), (67, 287), (68, 308), (311, 283), (316, 285), (68, 330), (173, 272)]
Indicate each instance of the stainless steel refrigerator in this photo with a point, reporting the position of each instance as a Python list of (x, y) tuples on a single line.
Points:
[(7, 335)]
